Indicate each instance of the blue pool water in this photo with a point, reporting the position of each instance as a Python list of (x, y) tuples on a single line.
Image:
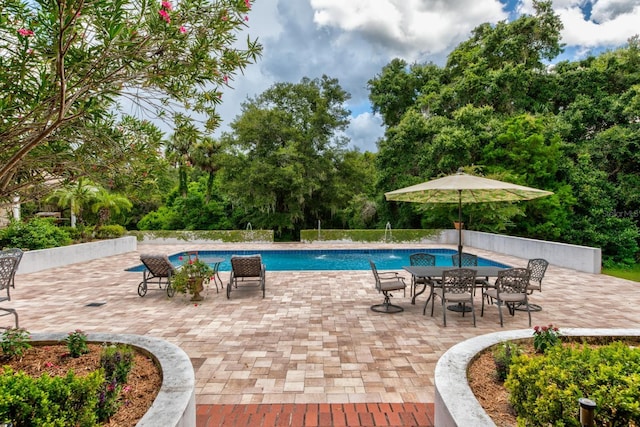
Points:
[(327, 259)]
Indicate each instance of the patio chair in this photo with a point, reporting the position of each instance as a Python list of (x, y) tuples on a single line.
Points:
[(423, 259), (246, 271), (510, 290), (537, 268), (17, 253), (385, 283), (457, 287), (471, 260), (8, 266), (158, 271)]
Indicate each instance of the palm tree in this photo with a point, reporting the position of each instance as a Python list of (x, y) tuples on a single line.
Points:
[(106, 203), (74, 197), (205, 158)]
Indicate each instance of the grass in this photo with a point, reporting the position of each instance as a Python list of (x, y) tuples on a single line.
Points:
[(630, 273)]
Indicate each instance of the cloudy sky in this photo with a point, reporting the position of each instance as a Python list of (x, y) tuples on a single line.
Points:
[(352, 40)]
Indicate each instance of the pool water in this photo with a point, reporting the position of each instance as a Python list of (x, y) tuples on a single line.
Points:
[(327, 259)]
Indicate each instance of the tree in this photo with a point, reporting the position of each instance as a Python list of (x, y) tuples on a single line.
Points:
[(67, 64), (74, 196), (286, 153), (105, 204)]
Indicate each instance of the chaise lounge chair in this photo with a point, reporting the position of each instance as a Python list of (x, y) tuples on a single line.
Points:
[(246, 271), (159, 271)]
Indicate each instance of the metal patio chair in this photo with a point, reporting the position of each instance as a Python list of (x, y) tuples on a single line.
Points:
[(385, 283), (17, 253), (457, 287), (8, 267), (423, 259), (510, 290)]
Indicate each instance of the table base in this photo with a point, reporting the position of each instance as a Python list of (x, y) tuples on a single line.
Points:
[(459, 308)]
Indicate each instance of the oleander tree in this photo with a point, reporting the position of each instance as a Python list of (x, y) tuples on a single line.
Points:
[(69, 68)]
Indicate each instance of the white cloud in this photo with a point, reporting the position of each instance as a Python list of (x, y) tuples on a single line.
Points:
[(352, 40), (410, 28), (364, 131)]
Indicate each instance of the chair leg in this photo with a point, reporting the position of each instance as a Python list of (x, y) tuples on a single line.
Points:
[(473, 314), (500, 311), (444, 312), (15, 314)]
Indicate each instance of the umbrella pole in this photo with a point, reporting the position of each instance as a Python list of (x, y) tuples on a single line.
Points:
[(460, 228)]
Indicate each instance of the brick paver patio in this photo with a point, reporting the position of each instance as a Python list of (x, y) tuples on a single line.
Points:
[(312, 345)]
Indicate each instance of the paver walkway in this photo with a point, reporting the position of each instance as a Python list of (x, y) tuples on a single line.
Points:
[(311, 341)]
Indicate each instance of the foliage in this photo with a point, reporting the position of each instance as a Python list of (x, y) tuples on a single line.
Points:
[(67, 66), (503, 356), (545, 337), (15, 341), (36, 233), (285, 166), (226, 236), (379, 235), (192, 273), (77, 343), (496, 107), (117, 361), (49, 401), (109, 232), (544, 390)]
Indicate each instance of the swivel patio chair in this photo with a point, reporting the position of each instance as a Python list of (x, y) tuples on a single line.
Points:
[(422, 259), (158, 271), (457, 287), (385, 283), (246, 271), (8, 266), (510, 290)]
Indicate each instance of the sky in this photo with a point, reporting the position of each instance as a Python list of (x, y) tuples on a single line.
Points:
[(351, 40)]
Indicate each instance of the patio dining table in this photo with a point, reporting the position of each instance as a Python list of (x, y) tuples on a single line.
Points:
[(434, 272)]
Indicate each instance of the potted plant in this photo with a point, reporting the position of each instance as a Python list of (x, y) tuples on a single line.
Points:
[(191, 277)]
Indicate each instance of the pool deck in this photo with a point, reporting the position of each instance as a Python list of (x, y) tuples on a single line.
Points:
[(313, 339)]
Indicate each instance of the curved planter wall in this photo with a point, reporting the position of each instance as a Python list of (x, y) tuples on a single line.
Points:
[(455, 404), (175, 404)]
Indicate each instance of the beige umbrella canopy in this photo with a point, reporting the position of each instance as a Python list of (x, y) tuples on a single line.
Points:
[(464, 188)]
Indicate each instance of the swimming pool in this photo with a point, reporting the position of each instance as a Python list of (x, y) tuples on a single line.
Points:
[(327, 259)]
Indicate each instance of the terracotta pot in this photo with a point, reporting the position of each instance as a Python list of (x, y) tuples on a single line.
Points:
[(458, 225), (196, 286)]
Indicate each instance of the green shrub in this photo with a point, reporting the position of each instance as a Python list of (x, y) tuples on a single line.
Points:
[(37, 233), (79, 234), (77, 343), (503, 356), (15, 342), (49, 401), (109, 231), (117, 361), (544, 390)]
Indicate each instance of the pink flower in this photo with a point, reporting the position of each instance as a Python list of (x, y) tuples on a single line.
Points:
[(126, 388), (247, 3), (167, 5), (246, 17), (226, 79), (24, 32), (163, 13), (180, 258), (183, 30)]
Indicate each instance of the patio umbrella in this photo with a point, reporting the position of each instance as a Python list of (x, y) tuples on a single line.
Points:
[(464, 188)]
